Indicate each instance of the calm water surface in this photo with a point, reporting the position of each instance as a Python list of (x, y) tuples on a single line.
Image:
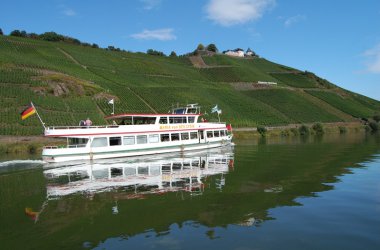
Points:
[(315, 193)]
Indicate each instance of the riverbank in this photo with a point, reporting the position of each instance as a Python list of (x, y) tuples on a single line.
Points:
[(26, 144), (34, 144), (297, 129)]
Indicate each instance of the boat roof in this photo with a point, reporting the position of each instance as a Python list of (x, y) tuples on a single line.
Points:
[(146, 115)]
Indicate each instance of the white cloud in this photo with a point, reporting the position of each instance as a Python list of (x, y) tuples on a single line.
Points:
[(373, 59), (232, 12), (69, 12), (159, 34), (150, 4), (293, 20)]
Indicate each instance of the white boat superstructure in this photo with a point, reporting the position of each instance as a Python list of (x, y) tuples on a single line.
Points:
[(138, 134)]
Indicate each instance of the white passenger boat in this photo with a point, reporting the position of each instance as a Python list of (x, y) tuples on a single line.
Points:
[(138, 134)]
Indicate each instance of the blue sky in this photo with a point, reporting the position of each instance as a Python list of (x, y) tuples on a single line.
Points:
[(337, 39)]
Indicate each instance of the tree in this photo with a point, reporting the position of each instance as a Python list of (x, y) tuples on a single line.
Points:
[(1, 32), (15, 33), (33, 36), (173, 54), (155, 52), (376, 117), (200, 47), (51, 36), (212, 47)]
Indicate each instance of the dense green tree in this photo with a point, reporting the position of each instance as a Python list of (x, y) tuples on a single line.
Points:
[(212, 47), (200, 47), (94, 45), (155, 52), (377, 117), (33, 36), (51, 36), (15, 33), (173, 54), (1, 32)]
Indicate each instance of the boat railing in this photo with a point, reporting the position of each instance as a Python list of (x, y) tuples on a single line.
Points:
[(77, 146), (81, 127), (66, 146)]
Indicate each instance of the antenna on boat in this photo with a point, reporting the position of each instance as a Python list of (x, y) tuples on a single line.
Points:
[(38, 115)]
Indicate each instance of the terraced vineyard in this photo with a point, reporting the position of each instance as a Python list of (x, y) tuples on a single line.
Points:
[(68, 83), (347, 104), (293, 105)]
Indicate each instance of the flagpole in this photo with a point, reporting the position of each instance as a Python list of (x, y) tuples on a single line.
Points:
[(39, 117)]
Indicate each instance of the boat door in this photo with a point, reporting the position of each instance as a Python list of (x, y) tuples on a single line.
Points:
[(201, 136)]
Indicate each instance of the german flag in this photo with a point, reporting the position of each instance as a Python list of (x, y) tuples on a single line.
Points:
[(30, 110)]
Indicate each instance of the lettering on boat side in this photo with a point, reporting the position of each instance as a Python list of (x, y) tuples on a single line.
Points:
[(182, 126)]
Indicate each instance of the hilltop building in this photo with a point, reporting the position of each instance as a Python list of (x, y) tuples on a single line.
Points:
[(250, 52), (236, 52), (240, 53)]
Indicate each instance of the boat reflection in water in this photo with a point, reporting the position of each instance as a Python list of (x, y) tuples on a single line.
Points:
[(140, 176)]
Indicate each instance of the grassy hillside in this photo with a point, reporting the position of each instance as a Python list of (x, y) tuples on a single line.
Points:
[(68, 83)]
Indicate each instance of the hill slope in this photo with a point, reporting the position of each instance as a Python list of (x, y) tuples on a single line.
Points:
[(68, 83)]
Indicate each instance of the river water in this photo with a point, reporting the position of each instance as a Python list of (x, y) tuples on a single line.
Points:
[(284, 193)]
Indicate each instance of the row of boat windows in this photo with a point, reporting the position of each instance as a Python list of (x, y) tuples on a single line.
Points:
[(153, 138), (152, 120)]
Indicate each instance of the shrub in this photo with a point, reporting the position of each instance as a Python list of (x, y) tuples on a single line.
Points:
[(285, 133), (262, 130), (377, 117), (342, 130), (304, 130), (32, 149), (294, 131), (374, 126), (318, 128)]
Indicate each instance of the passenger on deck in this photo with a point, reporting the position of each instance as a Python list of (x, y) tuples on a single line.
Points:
[(88, 122)]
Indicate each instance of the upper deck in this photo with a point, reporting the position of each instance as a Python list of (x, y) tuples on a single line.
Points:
[(180, 120)]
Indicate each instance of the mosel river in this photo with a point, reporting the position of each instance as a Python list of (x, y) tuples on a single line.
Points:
[(292, 193)]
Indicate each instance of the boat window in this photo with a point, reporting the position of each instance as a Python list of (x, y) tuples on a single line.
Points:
[(191, 110), (209, 134), (128, 140), (216, 133), (144, 120), (179, 111), (178, 119), (115, 141), (77, 142), (190, 119), (185, 136), (195, 163), (99, 142), (141, 139), (165, 137), (221, 132), (124, 121), (153, 138), (143, 170), (175, 136), (163, 120), (193, 135), (116, 172)]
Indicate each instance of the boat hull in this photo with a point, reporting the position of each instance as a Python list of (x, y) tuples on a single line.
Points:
[(67, 154)]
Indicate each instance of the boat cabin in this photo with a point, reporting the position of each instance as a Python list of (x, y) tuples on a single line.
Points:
[(189, 109), (187, 114)]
